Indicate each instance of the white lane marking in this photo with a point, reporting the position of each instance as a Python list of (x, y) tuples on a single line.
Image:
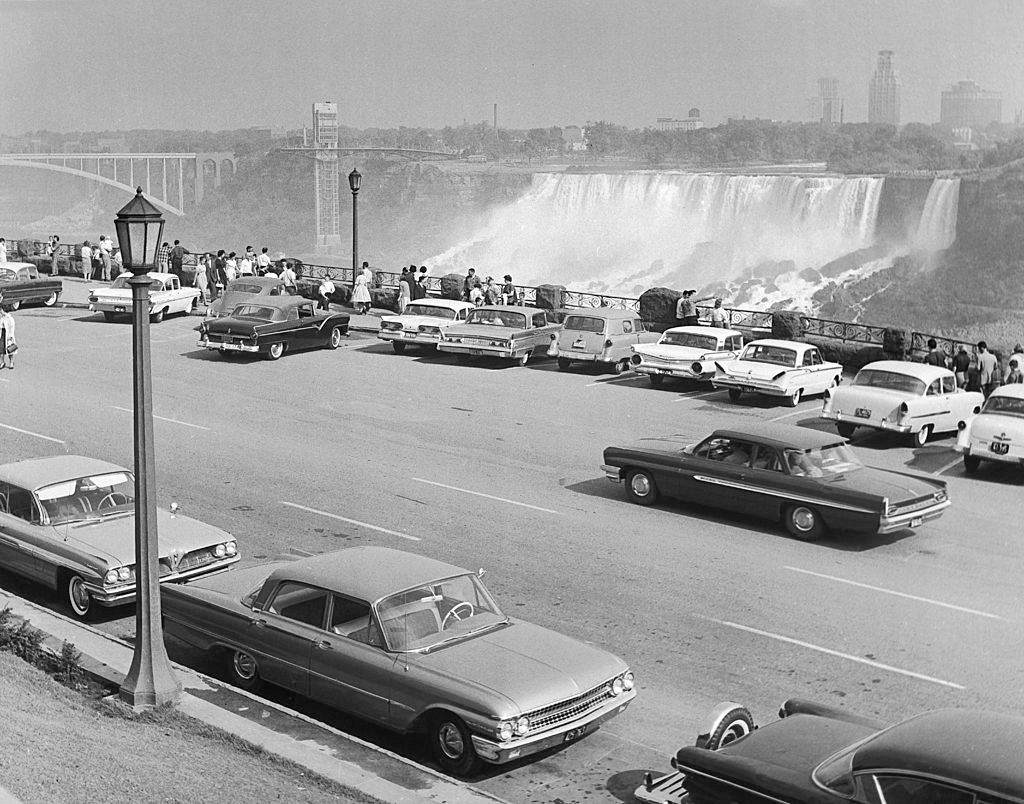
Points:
[(29, 432), (608, 382), (487, 496), (701, 395), (793, 413), (164, 419), (4, 379), (352, 521), (838, 654), (947, 467), (898, 594)]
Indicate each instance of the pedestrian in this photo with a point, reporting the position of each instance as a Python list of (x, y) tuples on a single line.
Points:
[(491, 295), (163, 258), (288, 279), (361, 290), (245, 264), (53, 251), (86, 261), (421, 283), (1014, 374), (8, 346), (686, 309), (230, 267), (718, 315), (219, 280), (988, 368), (935, 356), (201, 280), (3, 250), (509, 295), (211, 277), (263, 262), (325, 291), (104, 250), (476, 294), (177, 255), (468, 283), (961, 362), (404, 294), (1018, 355)]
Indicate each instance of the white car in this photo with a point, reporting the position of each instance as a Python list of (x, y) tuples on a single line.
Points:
[(688, 353), (422, 322), (912, 398), (166, 296), (772, 367), (997, 433)]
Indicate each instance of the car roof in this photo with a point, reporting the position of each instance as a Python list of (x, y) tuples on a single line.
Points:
[(262, 281), (699, 330), (980, 749), (368, 573), (509, 308), (782, 344), (17, 266), (922, 371), (782, 435), (449, 304), (603, 312), (1014, 389), (282, 302), (35, 473)]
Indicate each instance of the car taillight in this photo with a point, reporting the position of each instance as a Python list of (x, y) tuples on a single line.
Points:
[(608, 344), (636, 360), (697, 368)]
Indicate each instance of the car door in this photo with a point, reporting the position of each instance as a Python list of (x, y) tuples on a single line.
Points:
[(349, 666), (19, 517), (309, 331), (717, 473), (281, 636)]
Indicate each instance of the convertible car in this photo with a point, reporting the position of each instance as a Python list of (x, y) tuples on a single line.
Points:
[(272, 325), (688, 353), (422, 322), (407, 642), (789, 369), (20, 283), (166, 296), (248, 289), (818, 754), (812, 481), (513, 333), (69, 522), (912, 398), (997, 433)]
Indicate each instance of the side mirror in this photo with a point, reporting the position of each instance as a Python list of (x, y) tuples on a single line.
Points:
[(480, 573), (174, 508)]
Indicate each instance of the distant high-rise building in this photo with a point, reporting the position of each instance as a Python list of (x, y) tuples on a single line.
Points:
[(884, 92), (325, 136), (828, 106), (967, 105)]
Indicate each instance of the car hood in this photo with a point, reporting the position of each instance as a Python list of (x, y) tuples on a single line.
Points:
[(415, 321), (527, 664), (863, 396), (885, 483), (752, 369), (113, 539)]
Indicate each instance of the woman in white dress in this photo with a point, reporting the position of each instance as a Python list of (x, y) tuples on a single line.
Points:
[(361, 290)]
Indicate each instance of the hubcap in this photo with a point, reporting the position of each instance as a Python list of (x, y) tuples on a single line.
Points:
[(79, 596), (245, 666), (734, 732), (451, 740), (803, 519), (641, 485)]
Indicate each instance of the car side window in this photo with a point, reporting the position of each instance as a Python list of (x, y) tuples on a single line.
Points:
[(18, 502), (948, 384), (299, 602), (292, 314), (935, 388), (627, 327), (306, 311), (736, 342), (812, 358), (639, 326), (726, 450), (354, 619), (895, 789), (767, 459), (539, 320), (277, 290)]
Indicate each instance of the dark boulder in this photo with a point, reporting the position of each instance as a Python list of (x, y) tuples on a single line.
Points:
[(384, 298), (550, 297), (787, 325), (897, 342), (451, 286), (658, 307)]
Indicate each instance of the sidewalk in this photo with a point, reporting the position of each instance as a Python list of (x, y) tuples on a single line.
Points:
[(326, 751)]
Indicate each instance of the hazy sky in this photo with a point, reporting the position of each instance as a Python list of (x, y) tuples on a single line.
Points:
[(221, 64)]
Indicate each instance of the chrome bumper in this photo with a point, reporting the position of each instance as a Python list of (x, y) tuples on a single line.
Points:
[(911, 519), (686, 373), (478, 350), (402, 336), (883, 424), (750, 387), (125, 593), (229, 347), (612, 472)]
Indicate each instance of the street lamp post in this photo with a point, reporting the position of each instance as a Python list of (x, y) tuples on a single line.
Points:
[(354, 179), (150, 681)]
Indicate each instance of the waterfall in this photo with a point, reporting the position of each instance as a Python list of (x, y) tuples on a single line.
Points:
[(623, 233), (937, 228)]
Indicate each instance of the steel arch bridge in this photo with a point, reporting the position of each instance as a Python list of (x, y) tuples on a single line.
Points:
[(406, 153)]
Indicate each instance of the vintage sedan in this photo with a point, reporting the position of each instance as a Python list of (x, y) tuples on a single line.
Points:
[(166, 297), (513, 333), (247, 289), (912, 398), (789, 369), (422, 322), (812, 481), (273, 325), (408, 642), (687, 353), (69, 522), (600, 337), (816, 754), (20, 283), (997, 433)]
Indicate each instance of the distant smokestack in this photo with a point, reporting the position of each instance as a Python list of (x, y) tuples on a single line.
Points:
[(495, 118)]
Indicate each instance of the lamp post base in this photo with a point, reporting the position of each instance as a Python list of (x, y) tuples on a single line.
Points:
[(150, 683)]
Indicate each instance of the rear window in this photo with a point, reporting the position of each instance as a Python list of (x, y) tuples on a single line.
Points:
[(585, 323)]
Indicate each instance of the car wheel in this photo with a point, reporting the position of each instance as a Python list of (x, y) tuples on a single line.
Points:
[(275, 350), (618, 368), (14, 305), (734, 394), (78, 597), (243, 669), (157, 317), (804, 523), (335, 340), (451, 745), (564, 363), (794, 398), (845, 429), (109, 316), (641, 488), (50, 300), (398, 346), (521, 360), (971, 464), (656, 380), (921, 436), (193, 307), (730, 727)]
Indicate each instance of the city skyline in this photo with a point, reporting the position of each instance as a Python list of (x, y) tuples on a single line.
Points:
[(226, 65)]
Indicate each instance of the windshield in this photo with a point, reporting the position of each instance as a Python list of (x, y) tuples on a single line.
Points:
[(92, 497), (7, 275), (244, 287), (585, 323), (122, 282), (706, 343), (822, 462), (777, 355), (445, 611), (254, 311), (875, 378), (1004, 405), (497, 318), (429, 310)]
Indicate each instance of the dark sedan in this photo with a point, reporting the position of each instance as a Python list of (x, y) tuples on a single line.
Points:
[(273, 325), (823, 755), (812, 481), (20, 283)]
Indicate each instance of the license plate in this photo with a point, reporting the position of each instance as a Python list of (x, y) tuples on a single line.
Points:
[(748, 388), (862, 413), (574, 734), (118, 309), (916, 521), (232, 346), (476, 352), (999, 448), (408, 334), (664, 371), (580, 344)]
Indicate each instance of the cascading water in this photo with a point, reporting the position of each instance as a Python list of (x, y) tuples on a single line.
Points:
[(624, 233), (937, 229)]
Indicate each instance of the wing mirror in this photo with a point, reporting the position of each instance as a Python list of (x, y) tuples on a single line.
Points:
[(174, 508), (480, 573)]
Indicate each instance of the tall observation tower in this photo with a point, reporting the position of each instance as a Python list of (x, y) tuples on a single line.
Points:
[(325, 136)]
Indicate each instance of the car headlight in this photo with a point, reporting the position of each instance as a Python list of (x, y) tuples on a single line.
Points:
[(220, 551), (110, 577), (505, 731), (522, 726), (124, 573), (231, 548), (627, 681), (616, 686)]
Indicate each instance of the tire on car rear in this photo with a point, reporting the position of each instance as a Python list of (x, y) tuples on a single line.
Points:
[(735, 394), (451, 744), (275, 350), (398, 347), (845, 429), (734, 724), (803, 522), (335, 340), (641, 488)]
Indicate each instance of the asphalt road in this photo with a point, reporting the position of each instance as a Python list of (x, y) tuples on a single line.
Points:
[(490, 466)]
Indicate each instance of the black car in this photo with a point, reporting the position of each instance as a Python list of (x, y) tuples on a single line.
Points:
[(20, 283), (811, 480), (273, 325), (823, 755)]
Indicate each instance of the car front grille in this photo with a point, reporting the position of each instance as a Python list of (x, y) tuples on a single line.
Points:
[(197, 558), (549, 716)]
